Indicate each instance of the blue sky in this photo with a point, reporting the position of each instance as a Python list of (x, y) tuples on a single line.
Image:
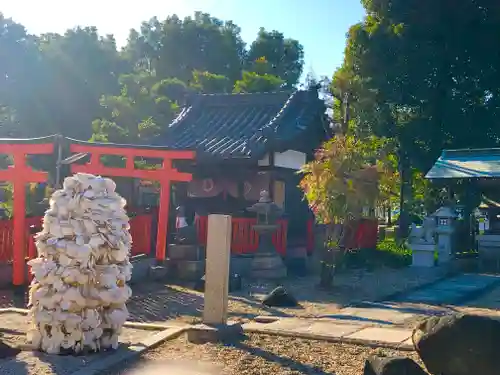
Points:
[(320, 25)]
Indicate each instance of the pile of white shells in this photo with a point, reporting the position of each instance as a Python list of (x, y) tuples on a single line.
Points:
[(78, 293)]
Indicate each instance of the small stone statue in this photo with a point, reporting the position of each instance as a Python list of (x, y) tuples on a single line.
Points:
[(185, 233), (425, 233)]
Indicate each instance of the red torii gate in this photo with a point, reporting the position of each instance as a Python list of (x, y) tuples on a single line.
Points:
[(164, 175), (19, 174)]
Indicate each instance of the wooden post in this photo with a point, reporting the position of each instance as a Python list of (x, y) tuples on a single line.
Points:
[(163, 212), (217, 269)]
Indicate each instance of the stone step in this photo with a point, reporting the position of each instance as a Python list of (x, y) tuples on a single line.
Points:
[(185, 252)]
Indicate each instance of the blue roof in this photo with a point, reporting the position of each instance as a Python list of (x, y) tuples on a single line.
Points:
[(467, 163)]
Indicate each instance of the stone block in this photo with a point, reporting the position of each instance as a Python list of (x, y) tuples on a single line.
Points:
[(141, 267), (269, 274), (376, 365), (387, 335), (203, 333), (158, 273), (423, 255), (241, 265), (186, 270), (185, 252), (267, 262)]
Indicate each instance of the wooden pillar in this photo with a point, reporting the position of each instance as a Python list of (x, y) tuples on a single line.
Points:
[(163, 212), (271, 175), (19, 232), (217, 269)]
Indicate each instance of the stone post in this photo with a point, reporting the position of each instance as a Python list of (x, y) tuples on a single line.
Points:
[(217, 269)]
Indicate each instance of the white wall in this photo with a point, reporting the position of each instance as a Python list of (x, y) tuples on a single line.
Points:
[(289, 159)]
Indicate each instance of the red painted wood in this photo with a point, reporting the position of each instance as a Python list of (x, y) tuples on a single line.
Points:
[(140, 229), (19, 174), (365, 236), (244, 239), (164, 175)]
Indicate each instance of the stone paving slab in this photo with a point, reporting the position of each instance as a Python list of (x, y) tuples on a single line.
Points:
[(395, 336), (327, 329), (335, 331), (453, 290), (374, 315)]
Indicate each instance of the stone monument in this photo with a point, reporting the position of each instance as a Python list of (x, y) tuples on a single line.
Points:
[(422, 243), (266, 263), (446, 217), (215, 326)]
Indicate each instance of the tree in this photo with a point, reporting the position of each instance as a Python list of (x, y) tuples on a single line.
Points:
[(138, 114), (209, 83), (431, 73), (176, 48), (254, 82), (82, 66), (285, 56), (345, 178), (21, 72)]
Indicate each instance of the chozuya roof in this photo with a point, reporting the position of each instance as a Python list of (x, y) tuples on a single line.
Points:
[(467, 163), (242, 125)]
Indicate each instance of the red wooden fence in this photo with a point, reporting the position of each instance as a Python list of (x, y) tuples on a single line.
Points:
[(244, 239), (140, 229)]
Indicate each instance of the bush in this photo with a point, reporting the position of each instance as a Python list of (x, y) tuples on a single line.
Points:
[(388, 253)]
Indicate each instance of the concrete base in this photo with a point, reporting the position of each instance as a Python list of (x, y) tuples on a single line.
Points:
[(268, 266), (203, 333), (423, 255), (444, 257)]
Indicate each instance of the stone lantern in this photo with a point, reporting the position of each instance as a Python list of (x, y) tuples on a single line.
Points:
[(267, 263), (445, 217)]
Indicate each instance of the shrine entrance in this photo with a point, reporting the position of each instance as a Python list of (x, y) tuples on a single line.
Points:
[(20, 173)]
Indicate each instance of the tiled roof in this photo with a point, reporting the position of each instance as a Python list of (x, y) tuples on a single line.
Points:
[(467, 163), (242, 125)]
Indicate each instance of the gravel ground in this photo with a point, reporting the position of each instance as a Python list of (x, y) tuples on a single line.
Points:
[(261, 354), (158, 302)]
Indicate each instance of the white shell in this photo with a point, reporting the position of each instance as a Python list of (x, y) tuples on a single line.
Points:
[(78, 287)]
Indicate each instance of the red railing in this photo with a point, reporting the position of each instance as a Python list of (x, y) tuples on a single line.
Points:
[(141, 232), (244, 239), (140, 229), (366, 235)]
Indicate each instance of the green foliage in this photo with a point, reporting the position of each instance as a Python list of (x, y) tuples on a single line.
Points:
[(209, 83), (348, 174), (427, 75), (388, 253), (284, 57), (139, 112), (62, 83), (254, 82)]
